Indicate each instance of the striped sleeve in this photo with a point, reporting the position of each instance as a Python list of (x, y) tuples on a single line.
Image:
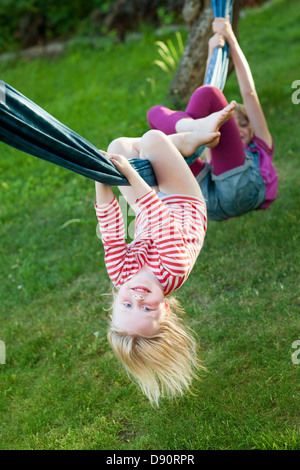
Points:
[(112, 230)]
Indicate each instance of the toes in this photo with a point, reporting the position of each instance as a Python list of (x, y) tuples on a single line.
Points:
[(232, 105)]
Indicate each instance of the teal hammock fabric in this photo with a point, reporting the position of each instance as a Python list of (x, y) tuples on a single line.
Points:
[(29, 128)]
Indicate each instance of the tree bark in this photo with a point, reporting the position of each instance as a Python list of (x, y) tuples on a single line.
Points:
[(198, 17)]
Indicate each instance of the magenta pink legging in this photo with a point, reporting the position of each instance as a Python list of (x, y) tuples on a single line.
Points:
[(205, 100)]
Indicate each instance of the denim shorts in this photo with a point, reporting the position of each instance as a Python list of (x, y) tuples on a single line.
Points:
[(234, 192)]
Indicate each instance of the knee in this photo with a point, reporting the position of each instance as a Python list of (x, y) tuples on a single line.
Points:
[(152, 139), (117, 145), (215, 94), (207, 91), (211, 95), (151, 115)]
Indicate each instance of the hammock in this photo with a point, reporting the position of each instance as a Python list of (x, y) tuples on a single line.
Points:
[(29, 128)]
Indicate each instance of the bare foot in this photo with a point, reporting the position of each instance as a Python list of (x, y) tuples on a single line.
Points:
[(202, 131), (214, 121), (190, 141)]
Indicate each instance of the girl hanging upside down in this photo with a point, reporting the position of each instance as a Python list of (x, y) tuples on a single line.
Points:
[(145, 332)]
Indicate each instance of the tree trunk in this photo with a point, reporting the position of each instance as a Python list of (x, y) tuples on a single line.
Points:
[(198, 16)]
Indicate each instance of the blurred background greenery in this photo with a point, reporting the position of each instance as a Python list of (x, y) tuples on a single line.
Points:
[(26, 23), (61, 386)]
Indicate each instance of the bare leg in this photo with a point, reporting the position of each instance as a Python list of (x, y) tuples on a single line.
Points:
[(172, 173), (186, 143), (205, 131), (207, 99), (207, 124), (166, 159), (191, 133)]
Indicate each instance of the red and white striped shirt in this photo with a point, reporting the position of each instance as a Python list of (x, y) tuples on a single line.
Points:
[(169, 235)]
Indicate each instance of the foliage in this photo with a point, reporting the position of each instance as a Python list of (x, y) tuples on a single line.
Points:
[(59, 17), (170, 53), (26, 23)]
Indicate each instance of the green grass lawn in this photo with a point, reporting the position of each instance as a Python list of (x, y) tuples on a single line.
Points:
[(61, 386)]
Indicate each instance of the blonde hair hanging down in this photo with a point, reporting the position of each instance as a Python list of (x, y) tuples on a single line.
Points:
[(165, 364)]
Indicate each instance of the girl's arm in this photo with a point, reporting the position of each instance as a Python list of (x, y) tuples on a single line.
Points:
[(216, 40), (245, 79), (112, 230), (139, 186), (104, 194)]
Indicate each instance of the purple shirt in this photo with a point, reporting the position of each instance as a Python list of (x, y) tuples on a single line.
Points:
[(266, 168)]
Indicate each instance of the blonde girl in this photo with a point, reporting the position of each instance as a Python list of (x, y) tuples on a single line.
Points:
[(146, 331)]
